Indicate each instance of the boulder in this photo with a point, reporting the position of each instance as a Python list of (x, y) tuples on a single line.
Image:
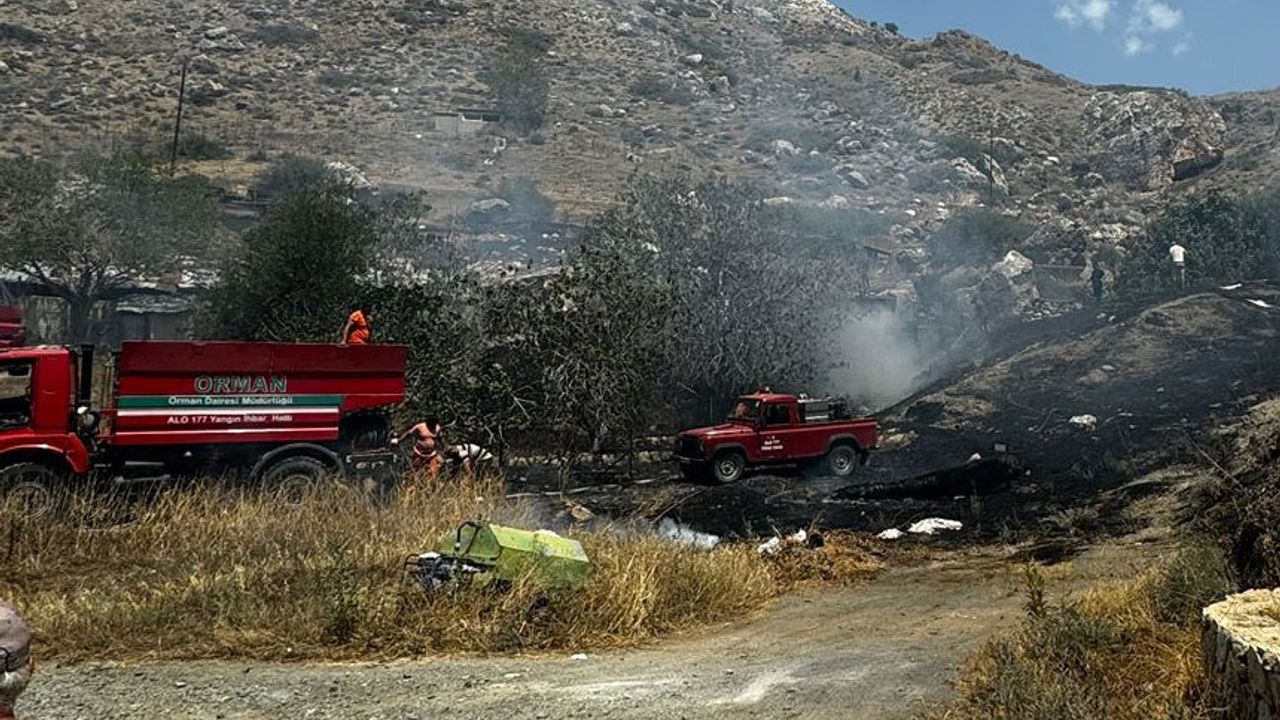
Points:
[(351, 175), (692, 59), (721, 85), (1149, 140), (783, 148), (491, 209), (852, 177)]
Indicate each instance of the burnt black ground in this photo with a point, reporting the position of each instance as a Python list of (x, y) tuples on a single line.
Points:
[(1158, 374)]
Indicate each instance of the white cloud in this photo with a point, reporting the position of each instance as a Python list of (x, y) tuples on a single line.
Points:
[(1134, 45), (1079, 12), (1152, 16), (1148, 20)]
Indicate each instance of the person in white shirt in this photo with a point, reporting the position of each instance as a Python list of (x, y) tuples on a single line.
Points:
[(1179, 256)]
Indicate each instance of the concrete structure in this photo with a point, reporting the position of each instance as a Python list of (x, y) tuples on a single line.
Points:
[(465, 121), (1241, 643)]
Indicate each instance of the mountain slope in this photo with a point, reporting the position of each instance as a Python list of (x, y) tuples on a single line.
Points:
[(826, 108)]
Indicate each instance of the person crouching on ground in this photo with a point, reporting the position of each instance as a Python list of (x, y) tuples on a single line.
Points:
[(15, 659)]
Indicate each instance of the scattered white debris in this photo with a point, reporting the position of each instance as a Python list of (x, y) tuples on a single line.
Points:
[(1260, 303), (686, 535), (976, 457), (770, 546), (1236, 286), (578, 657), (1084, 422), (799, 537), (890, 534), (929, 526)]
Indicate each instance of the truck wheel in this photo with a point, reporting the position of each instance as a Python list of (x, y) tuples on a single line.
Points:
[(728, 467), (292, 479), (842, 460), (31, 490)]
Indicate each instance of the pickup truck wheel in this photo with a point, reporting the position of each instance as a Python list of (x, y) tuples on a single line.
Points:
[(293, 479), (842, 460), (30, 490), (728, 466)]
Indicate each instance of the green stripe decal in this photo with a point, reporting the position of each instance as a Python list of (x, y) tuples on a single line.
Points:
[(132, 402)]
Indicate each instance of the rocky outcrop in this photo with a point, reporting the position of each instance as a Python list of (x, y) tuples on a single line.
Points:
[(1241, 644), (1149, 140)]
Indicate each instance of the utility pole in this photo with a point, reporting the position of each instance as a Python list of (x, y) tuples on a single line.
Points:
[(177, 125)]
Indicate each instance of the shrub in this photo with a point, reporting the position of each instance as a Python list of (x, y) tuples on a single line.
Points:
[(1227, 240), (891, 27), (20, 34), (976, 236), (662, 89), (979, 77), (1123, 652), (285, 35), (198, 146)]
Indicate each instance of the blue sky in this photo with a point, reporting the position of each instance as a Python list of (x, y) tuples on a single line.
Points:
[(1203, 46)]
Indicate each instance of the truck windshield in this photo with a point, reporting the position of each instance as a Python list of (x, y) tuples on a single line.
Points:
[(746, 410)]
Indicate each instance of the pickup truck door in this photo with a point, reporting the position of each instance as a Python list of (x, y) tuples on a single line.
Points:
[(773, 437)]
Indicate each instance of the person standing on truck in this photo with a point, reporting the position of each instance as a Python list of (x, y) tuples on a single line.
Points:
[(15, 659), (1178, 255), (356, 331)]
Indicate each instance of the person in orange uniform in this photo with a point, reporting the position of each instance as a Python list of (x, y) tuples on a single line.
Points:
[(356, 331), (428, 445)]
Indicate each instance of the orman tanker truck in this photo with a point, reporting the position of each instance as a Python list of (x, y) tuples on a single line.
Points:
[(280, 415)]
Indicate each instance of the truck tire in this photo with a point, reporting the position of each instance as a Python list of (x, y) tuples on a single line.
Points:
[(31, 490), (727, 467), (294, 478), (841, 460)]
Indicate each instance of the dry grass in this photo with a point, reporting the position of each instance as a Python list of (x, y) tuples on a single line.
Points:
[(1273, 611), (1125, 652), (216, 573)]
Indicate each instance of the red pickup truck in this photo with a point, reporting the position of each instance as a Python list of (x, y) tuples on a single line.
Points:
[(12, 332), (771, 429)]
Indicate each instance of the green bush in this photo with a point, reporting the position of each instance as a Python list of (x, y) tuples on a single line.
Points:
[(1227, 240), (518, 80), (977, 236)]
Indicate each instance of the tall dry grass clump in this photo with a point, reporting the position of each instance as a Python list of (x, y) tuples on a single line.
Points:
[(214, 572), (1125, 652)]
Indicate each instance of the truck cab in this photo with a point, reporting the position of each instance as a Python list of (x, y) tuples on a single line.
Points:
[(769, 429), (279, 414)]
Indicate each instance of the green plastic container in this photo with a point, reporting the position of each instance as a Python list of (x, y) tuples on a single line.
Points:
[(510, 553)]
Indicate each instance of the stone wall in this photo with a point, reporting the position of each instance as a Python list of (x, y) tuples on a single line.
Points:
[(1241, 643)]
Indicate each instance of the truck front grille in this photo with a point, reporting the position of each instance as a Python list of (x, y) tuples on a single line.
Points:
[(689, 447)]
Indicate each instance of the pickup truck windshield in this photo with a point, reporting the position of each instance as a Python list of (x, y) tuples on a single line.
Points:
[(746, 410)]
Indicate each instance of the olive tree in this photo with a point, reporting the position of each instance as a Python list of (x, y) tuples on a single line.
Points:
[(88, 231)]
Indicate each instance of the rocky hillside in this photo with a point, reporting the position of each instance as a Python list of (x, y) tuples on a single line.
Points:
[(827, 109)]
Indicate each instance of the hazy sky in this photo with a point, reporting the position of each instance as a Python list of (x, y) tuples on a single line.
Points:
[(1203, 46)]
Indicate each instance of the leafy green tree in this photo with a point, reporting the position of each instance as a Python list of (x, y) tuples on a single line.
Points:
[(90, 230), (976, 236), (300, 271), (518, 81)]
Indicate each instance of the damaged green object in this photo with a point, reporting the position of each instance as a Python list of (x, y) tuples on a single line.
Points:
[(484, 552)]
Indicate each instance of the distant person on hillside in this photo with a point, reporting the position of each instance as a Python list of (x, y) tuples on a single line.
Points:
[(15, 659), (1178, 255), (356, 331), (1096, 279)]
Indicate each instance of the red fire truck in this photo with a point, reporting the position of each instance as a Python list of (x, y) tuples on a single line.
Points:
[(770, 429), (277, 414)]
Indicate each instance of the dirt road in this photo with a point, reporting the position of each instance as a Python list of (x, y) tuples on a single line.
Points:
[(877, 650)]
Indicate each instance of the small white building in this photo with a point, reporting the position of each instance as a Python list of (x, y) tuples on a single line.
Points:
[(464, 121)]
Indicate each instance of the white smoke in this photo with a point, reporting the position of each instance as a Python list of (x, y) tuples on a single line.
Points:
[(878, 361)]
